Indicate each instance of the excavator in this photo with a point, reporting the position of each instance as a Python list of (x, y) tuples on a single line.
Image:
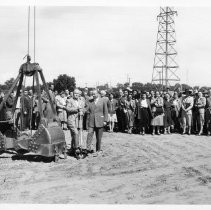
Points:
[(49, 139)]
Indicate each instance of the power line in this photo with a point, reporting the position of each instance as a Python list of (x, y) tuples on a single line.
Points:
[(34, 32), (28, 41)]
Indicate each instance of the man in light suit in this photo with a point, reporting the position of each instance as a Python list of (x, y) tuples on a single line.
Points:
[(75, 111), (200, 104), (187, 105), (98, 117)]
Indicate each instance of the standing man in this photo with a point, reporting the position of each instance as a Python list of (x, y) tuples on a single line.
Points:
[(75, 111), (9, 105), (187, 105), (47, 110), (195, 122), (86, 101), (32, 117), (52, 95), (98, 117), (200, 107), (26, 110)]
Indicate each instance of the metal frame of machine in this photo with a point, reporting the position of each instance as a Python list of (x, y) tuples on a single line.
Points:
[(49, 139)]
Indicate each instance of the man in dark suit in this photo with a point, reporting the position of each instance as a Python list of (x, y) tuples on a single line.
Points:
[(9, 106), (26, 110), (98, 117)]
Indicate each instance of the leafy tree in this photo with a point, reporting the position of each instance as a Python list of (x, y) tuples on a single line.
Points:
[(64, 82), (120, 86), (196, 87), (8, 84), (137, 85), (204, 88), (103, 87), (185, 86), (126, 85)]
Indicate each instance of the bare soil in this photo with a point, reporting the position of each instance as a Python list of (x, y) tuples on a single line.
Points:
[(133, 169)]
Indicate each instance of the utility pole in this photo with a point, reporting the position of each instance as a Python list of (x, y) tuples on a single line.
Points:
[(165, 65)]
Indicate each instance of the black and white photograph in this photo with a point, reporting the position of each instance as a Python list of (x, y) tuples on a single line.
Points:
[(105, 104)]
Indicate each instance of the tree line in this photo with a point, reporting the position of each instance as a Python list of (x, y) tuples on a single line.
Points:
[(64, 81)]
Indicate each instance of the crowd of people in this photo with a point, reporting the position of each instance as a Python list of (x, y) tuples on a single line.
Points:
[(129, 111), (164, 112)]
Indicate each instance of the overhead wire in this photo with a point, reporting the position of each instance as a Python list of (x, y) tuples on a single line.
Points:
[(28, 44), (34, 33)]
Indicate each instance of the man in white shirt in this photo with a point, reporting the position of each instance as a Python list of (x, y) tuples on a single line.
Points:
[(187, 105)]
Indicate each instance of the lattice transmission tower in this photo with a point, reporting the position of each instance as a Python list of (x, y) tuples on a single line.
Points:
[(165, 66)]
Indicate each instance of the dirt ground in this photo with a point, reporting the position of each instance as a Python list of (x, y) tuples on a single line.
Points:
[(134, 169)]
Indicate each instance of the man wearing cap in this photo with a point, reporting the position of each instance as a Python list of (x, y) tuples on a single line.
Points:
[(187, 105), (98, 117), (75, 111)]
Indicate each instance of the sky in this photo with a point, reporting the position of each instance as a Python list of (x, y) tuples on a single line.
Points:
[(103, 44)]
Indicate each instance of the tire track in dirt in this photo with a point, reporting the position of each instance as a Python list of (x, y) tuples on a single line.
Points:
[(165, 152)]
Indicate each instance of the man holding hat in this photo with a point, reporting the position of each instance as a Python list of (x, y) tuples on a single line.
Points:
[(75, 111)]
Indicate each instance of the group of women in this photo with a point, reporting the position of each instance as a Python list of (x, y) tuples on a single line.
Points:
[(154, 112)]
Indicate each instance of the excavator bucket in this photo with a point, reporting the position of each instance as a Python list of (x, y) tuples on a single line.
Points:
[(49, 139)]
